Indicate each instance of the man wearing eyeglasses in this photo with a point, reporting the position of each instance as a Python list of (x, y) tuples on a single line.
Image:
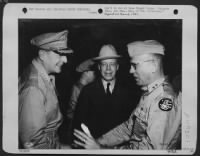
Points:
[(156, 122), (106, 102), (39, 113)]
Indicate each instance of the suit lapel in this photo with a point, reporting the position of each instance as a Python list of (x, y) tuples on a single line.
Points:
[(100, 87)]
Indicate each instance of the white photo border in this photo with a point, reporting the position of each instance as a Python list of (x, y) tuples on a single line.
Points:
[(13, 12)]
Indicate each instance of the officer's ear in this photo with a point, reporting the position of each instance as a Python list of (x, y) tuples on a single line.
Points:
[(154, 66), (151, 67), (42, 54)]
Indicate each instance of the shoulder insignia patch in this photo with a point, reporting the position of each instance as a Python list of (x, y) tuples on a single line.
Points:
[(165, 104)]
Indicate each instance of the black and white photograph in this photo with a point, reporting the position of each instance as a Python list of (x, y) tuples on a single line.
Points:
[(101, 84)]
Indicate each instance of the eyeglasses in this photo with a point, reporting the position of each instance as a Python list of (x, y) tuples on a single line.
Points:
[(135, 65), (104, 65)]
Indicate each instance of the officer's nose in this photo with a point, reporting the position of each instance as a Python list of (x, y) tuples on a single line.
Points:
[(64, 59), (132, 70)]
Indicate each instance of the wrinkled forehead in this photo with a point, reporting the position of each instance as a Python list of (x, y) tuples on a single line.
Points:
[(109, 61), (139, 58)]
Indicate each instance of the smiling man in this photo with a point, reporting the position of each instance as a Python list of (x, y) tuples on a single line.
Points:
[(106, 102), (39, 113)]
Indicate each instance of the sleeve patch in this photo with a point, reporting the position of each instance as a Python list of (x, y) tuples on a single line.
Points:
[(165, 104)]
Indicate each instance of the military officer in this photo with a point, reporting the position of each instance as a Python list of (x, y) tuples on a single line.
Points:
[(156, 122), (39, 113)]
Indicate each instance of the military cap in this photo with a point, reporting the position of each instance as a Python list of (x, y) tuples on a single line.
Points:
[(107, 52), (145, 47), (85, 65), (52, 42)]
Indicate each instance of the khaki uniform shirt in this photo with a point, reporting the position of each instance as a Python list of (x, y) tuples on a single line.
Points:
[(74, 99), (39, 113), (154, 124)]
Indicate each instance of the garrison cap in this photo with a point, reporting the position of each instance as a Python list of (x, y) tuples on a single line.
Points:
[(52, 42), (145, 47)]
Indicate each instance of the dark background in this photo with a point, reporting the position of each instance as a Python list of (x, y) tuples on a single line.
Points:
[(86, 36)]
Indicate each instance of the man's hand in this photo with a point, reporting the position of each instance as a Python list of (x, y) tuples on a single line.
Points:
[(86, 139)]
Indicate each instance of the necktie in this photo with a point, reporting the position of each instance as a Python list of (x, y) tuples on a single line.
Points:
[(108, 89)]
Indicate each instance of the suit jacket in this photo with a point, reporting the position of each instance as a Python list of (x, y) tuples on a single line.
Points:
[(101, 112), (39, 113)]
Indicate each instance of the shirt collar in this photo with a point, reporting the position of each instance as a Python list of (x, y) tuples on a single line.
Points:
[(112, 84), (41, 69), (153, 85)]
